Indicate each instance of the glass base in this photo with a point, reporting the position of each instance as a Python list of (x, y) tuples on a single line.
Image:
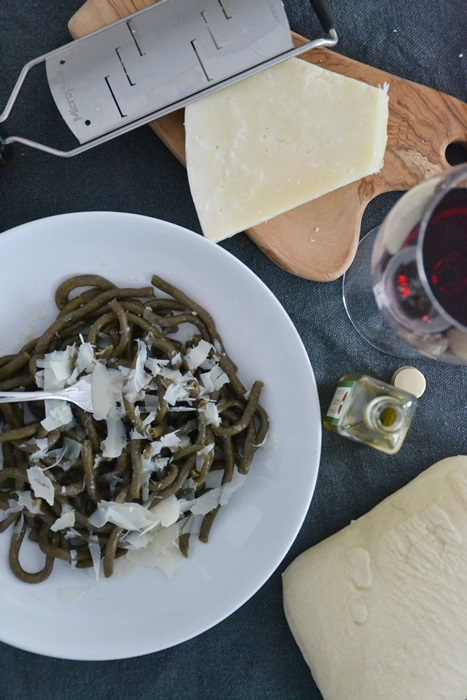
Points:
[(362, 309)]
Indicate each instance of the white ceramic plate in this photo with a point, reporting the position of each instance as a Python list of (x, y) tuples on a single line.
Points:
[(73, 616)]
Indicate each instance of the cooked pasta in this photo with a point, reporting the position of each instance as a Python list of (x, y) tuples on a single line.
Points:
[(172, 433)]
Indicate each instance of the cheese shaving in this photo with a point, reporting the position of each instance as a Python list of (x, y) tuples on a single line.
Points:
[(41, 484), (107, 391), (85, 360), (211, 414), (116, 439), (176, 393), (42, 446), (138, 378), (160, 551), (95, 552), (214, 379), (60, 363), (58, 414), (198, 354), (216, 497), (135, 517), (26, 501), (65, 456), (64, 521)]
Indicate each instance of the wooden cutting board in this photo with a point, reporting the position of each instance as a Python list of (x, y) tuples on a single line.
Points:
[(319, 240)]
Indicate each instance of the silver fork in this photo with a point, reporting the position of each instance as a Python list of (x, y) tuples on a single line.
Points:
[(79, 394)]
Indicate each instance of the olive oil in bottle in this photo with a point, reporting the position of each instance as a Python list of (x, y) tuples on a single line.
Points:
[(370, 411)]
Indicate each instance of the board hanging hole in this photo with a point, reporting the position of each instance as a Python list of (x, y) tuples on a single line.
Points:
[(456, 153)]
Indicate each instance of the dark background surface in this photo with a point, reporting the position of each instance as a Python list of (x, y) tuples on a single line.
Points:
[(251, 654)]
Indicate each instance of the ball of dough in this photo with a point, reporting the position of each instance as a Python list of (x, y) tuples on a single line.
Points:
[(379, 610)]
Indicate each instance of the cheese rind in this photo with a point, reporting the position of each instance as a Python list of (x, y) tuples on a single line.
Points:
[(278, 139), (379, 610)]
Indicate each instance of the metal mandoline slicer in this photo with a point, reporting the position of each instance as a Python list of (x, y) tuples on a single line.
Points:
[(158, 60)]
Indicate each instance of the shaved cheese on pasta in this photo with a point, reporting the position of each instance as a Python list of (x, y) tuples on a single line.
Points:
[(41, 484), (95, 552), (175, 393), (72, 451), (107, 388), (25, 500), (137, 540), (167, 511), (42, 445), (211, 414), (161, 551), (13, 507), (214, 379), (216, 497), (60, 363), (149, 419), (85, 359), (198, 354), (57, 414), (57, 367), (171, 440), (65, 520), (65, 456), (133, 516), (154, 365), (116, 439), (138, 378)]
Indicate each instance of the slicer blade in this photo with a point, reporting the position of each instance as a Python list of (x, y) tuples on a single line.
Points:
[(164, 54), (158, 60)]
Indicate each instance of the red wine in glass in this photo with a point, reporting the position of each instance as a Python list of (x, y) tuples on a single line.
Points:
[(416, 264), (417, 297), (444, 251)]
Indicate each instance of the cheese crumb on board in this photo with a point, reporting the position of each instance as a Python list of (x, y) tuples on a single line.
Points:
[(379, 610), (278, 139)]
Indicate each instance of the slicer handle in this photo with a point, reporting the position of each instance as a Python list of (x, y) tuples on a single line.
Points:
[(324, 15), (6, 150)]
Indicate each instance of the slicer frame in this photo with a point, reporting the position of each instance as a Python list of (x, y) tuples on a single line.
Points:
[(64, 95)]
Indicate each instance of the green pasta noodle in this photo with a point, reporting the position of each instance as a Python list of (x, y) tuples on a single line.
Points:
[(172, 421)]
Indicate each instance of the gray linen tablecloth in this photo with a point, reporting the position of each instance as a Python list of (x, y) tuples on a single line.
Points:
[(252, 653)]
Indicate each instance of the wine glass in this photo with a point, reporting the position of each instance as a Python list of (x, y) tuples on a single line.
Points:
[(406, 291)]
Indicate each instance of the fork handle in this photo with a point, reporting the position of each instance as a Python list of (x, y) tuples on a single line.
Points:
[(20, 396)]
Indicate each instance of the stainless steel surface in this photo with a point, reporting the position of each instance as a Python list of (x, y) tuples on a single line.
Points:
[(157, 57), (158, 60), (79, 394)]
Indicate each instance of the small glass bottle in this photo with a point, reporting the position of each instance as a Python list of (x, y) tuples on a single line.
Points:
[(368, 410)]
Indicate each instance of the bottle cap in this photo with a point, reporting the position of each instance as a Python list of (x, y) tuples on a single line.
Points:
[(409, 379)]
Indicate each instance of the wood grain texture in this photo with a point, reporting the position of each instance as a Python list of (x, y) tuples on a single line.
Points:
[(318, 240)]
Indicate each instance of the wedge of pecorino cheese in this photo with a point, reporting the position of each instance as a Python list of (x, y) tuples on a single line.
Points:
[(278, 139)]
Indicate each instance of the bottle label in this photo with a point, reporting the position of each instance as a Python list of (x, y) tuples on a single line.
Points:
[(341, 398)]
